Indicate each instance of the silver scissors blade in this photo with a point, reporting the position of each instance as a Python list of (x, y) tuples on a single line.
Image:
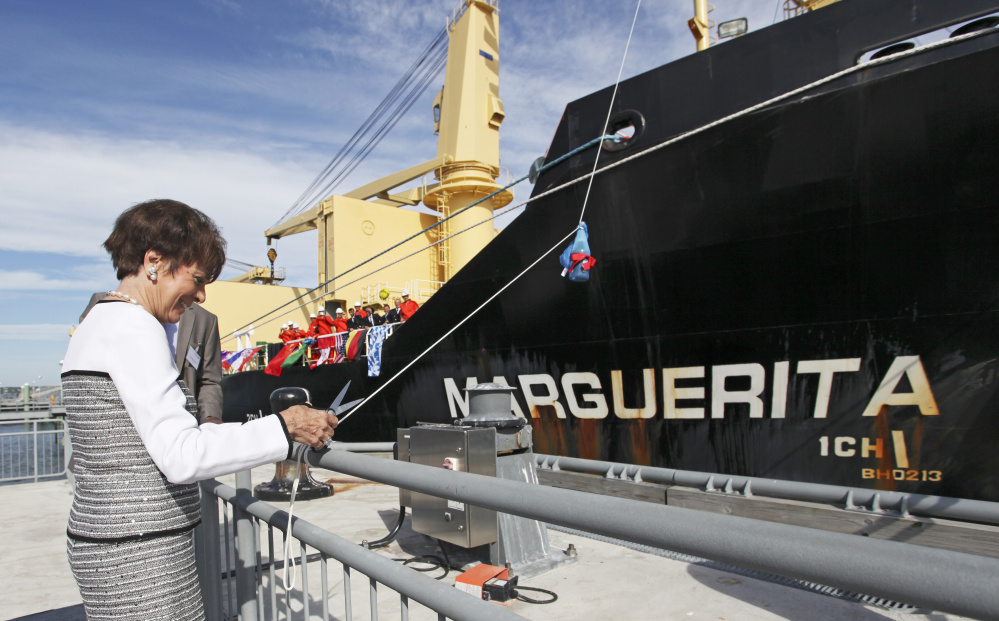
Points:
[(337, 412), (346, 406), (339, 409), (335, 406)]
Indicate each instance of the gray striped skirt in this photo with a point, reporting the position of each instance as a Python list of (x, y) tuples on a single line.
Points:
[(138, 580)]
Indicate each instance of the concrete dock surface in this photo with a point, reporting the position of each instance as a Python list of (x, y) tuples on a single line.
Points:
[(608, 581)]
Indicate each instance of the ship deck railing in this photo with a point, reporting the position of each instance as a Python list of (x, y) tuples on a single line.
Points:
[(875, 501), (937, 579), (250, 562), (34, 407)]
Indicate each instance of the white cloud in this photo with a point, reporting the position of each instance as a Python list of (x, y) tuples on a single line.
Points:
[(67, 190), (26, 280), (67, 186), (35, 332)]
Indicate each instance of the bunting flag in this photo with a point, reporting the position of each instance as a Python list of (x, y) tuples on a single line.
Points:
[(339, 347), (227, 359), (355, 344), (376, 337), (245, 357), (288, 355), (294, 356), (324, 355)]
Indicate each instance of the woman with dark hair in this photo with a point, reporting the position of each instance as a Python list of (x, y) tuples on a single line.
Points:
[(138, 450)]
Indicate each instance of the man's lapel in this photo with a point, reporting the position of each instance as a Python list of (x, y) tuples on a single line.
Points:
[(184, 331)]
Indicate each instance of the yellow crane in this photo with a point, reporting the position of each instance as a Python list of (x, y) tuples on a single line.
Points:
[(353, 226), (468, 113)]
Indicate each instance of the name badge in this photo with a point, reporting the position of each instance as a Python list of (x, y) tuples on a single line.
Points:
[(193, 358)]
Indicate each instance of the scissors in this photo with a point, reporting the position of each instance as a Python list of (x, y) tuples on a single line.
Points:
[(338, 408)]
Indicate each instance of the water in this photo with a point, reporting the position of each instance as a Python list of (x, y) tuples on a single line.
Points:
[(20, 442)]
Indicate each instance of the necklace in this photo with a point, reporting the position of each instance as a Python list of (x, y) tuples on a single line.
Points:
[(119, 294)]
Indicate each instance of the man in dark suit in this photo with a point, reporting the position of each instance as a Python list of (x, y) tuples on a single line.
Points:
[(394, 315), (199, 357)]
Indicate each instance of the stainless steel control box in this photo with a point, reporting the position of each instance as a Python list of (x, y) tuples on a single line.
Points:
[(402, 454), (463, 449)]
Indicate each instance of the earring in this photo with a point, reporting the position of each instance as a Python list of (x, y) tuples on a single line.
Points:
[(152, 273)]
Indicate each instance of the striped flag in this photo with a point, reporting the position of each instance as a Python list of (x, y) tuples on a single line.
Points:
[(228, 357), (339, 347), (244, 357), (355, 344), (324, 356)]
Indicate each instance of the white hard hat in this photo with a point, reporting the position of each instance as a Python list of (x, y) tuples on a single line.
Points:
[(284, 325), (405, 293), (294, 325), (357, 303), (322, 310), (312, 315), (339, 310)]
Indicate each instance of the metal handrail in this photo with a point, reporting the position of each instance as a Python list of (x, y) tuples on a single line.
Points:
[(852, 497), (363, 447), (440, 597), (31, 461), (36, 406), (942, 580)]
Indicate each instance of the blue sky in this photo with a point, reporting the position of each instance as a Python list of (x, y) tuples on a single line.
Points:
[(234, 106)]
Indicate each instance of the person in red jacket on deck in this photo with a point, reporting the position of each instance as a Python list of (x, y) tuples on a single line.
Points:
[(408, 306), (297, 334), (322, 325), (285, 333), (360, 311), (340, 323), (311, 331)]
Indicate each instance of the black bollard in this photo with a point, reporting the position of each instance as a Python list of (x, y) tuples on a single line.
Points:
[(285, 473)]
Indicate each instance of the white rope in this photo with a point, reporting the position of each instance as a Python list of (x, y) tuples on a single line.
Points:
[(678, 138), (610, 108), (684, 136), (288, 538), (458, 325)]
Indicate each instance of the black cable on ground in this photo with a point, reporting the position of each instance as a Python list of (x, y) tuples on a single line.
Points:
[(535, 601), (391, 536), (428, 559)]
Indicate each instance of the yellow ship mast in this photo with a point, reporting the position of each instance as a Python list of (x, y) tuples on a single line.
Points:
[(700, 25), (468, 113)]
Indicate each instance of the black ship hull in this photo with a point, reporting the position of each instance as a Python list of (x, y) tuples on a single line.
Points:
[(804, 292)]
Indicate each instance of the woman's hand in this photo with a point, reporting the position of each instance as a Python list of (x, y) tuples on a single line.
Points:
[(308, 426)]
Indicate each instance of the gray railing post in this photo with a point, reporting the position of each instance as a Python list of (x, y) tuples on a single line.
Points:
[(246, 552), (206, 551), (67, 454), (34, 441)]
